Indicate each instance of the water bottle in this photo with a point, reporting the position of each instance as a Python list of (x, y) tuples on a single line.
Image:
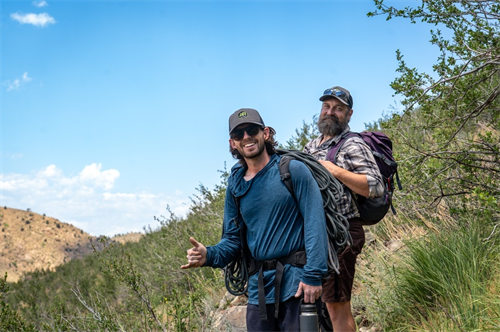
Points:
[(308, 318)]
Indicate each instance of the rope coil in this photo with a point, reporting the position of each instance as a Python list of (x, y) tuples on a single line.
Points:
[(337, 226), (236, 276)]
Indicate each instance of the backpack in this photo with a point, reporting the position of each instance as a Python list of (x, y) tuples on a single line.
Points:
[(337, 225), (372, 210), (236, 273)]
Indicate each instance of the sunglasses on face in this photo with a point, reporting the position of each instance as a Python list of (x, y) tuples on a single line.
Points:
[(337, 93), (251, 130)]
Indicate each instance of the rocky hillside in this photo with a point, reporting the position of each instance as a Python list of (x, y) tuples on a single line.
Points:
[(30, 241)]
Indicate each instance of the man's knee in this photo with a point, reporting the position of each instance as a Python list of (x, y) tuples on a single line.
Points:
[(338, 309)]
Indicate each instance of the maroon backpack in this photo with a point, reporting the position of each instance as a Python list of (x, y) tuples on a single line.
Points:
[(372, 210)]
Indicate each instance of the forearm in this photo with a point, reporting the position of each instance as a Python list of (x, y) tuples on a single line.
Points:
[(356, 182), (222, 253), (316, 246)]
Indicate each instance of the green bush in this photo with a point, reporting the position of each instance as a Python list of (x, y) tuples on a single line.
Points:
[(10, 320), (446, 280)]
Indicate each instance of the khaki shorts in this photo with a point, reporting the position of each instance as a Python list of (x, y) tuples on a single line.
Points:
[(339, 286)]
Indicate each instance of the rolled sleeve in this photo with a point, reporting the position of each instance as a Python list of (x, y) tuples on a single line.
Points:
[(357, 157)]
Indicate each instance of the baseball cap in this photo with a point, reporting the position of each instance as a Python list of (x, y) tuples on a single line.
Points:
[(340, 93), (245, 115)]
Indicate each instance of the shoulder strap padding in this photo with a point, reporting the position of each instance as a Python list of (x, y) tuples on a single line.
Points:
[(286, 176), (334, 150)]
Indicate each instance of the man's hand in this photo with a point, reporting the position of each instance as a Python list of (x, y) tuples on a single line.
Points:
[(311, 293), (356, 182), (330, 167), (196, 256)]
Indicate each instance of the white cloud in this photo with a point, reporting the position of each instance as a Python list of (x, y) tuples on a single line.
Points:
[(40, 3), (16, 84), (50, 171), (87, 200), (13, 85), (26, 78), (105, 180), (40, 20)]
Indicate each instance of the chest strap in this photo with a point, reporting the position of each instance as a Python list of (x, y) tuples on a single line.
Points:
[(297, 258)]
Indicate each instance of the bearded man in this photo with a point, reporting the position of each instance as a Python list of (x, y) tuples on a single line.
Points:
[(357, 170)]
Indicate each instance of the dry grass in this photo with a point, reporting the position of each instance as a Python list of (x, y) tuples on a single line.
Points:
[(30, 241)]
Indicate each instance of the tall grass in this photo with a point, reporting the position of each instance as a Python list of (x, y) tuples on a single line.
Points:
[(446, 280)]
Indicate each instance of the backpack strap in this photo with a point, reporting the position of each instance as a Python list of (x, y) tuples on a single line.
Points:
[(384, 159), (286, 176), (297, 258), (332, 156), (334, 150)]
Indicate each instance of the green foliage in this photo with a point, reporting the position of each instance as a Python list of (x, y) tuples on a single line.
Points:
[(449, 132), (46, 299), (446, 280), (303, 136), (447, 144), (131, 287), (10, 320), (448, 275)]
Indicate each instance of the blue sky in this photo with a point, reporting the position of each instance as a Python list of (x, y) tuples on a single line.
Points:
[(112, 110)]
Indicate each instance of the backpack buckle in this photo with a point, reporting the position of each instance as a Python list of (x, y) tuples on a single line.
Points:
[(269, 265)]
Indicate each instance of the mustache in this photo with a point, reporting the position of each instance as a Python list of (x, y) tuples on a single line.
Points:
[(330, 117), (250, 140)]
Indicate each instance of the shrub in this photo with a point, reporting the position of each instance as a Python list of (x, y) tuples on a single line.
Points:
[(10, 320), (443, 281)]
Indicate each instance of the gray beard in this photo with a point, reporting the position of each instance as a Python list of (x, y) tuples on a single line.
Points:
[(331, 126)]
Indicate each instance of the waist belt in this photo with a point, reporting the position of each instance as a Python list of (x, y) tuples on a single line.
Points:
[(297, 258)]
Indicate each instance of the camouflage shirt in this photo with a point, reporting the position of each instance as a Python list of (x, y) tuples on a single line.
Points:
[(354, 156)]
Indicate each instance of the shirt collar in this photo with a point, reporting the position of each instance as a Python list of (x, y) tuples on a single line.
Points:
[(334, 140)]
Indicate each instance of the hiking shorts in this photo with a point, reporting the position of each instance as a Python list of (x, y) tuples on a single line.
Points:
[(338, 287)]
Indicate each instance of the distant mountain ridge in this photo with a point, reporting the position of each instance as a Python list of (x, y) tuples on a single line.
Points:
[(30, 241)]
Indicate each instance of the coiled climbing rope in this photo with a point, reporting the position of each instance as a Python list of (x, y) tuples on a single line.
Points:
[(236, 276), (337, 226)]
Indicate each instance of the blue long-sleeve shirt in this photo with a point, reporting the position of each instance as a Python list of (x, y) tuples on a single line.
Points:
[(276, 226)]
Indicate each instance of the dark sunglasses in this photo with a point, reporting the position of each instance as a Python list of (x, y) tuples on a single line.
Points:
[(337, 93), (251, 130)]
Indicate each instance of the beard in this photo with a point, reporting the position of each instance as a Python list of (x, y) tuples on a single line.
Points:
[(331, 126), (254, 154)]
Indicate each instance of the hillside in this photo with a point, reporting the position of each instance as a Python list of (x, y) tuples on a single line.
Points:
[(32, 241)]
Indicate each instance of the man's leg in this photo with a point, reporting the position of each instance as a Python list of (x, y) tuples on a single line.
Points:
[(337, 289), (341, 316), (254, 324), (288, 318)]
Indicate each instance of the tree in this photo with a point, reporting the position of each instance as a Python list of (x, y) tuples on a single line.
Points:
[(10, 320), (303, 136), (451, 120)]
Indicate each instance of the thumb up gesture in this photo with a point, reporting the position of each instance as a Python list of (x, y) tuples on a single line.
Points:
[(196, 256)]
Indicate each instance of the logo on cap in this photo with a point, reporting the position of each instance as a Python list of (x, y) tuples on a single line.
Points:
[(242, 114)]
